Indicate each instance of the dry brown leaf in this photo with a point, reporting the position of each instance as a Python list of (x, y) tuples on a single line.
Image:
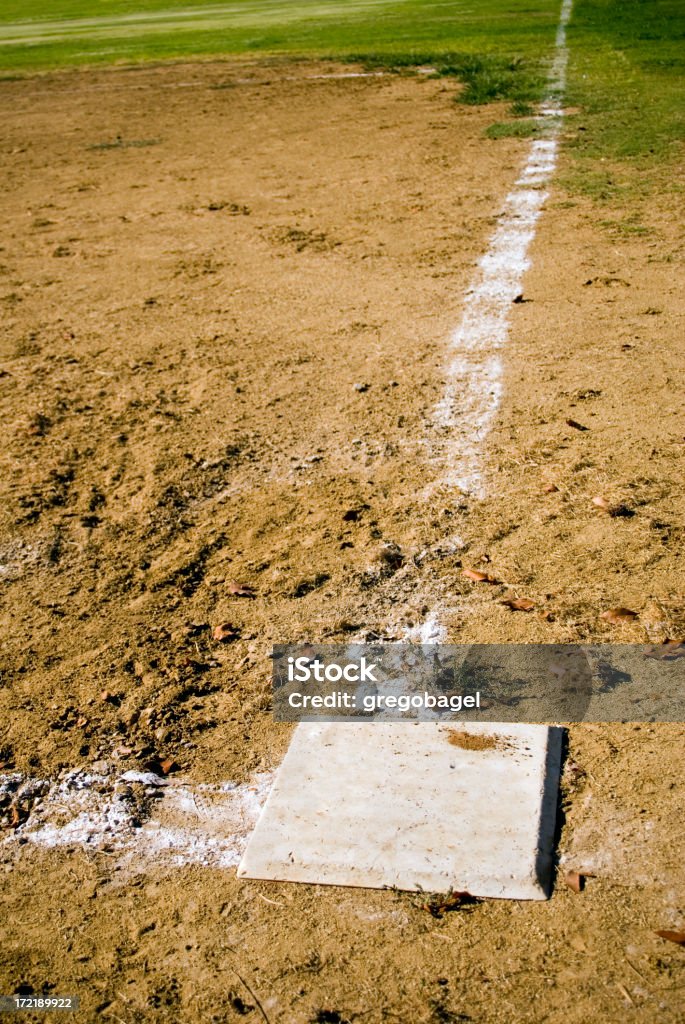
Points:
[(439, 905), (575, 881), (617, 510), (616, 616), (478, 577), (225, 632), (674, 648), (240, 590), (669, 650), (670, 936), (519, 604)]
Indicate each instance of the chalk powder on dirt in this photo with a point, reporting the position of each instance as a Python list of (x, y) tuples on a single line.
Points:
[(474, 379), (142, 818)]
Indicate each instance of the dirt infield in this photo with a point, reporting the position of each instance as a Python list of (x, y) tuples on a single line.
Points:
[(227, 291)]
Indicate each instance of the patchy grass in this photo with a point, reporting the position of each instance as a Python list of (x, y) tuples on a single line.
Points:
[(628, 227), (602, 186), (520, 108), (513, 129), (486, 77), (491, 78)]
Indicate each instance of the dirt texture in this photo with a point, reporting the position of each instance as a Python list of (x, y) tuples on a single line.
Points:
[(227, 292)]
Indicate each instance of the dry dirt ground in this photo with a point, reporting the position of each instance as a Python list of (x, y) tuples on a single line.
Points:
[(199, 263)]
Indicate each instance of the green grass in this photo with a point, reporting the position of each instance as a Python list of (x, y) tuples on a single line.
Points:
[(40, 34), (626, 76), (627, 79), (513, 129), (487, 76), (495, 78), (628, 227), (520, 108)]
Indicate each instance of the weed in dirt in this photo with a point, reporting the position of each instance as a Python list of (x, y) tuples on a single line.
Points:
[(513, 129), (490, 78), (486, 77), (520, 108), (441, 1014), (238, 1004), (301, 240), (233, 209), (438, 904), (629, 226)]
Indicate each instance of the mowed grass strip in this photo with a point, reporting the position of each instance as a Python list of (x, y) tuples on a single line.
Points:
[(40, 34)]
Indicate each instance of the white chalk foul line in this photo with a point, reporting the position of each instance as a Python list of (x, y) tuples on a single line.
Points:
[(474, 385), (141, 819)]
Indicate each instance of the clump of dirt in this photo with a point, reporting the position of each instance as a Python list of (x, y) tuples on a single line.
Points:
[(475, 741)]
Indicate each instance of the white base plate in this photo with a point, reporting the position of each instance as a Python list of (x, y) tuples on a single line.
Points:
[(401, 805)]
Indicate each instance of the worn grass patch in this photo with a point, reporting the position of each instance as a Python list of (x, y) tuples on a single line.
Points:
[(627, 227)]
